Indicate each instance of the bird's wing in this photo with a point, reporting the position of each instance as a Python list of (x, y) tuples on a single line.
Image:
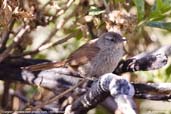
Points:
[(79, 57), (82, 55)]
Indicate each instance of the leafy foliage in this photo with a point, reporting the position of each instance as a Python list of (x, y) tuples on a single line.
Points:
[(140, 8), (160, 10)]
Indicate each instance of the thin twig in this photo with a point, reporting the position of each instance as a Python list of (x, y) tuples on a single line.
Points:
[(21, 97), (48, 45), (57, 42), (44, 6), (106, 6), (5, 96), (59, 96), (5, 35), (90, 26), (17, 39), (63, 10)]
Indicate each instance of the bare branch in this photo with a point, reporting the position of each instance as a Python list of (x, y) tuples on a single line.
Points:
[(154, 97), (60, 79), (153, 91), (106, 6), (145, 61), (56, 79), (155, 87), (108, 84)]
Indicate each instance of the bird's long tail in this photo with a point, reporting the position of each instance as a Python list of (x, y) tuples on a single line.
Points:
[(44, 66)]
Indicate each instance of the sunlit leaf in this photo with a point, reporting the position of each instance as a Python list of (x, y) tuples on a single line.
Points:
[(159, 24), (95, 11), (140, 8)]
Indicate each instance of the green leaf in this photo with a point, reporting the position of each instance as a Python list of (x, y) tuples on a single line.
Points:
[(95, 11), (159, 18), (160, 8), (160, 24), (168, 73), (140, 8)]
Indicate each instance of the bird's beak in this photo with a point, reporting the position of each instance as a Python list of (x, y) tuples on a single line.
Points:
[(124, 39)]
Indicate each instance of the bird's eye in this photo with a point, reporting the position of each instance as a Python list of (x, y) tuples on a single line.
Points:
[(110, 39)]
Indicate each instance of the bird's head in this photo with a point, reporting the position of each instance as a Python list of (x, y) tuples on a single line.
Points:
[(110, 39)]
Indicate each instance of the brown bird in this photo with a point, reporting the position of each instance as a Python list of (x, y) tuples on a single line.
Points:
[(93, 59)]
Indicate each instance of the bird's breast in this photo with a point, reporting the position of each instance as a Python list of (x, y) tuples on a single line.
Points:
[(104, 62)]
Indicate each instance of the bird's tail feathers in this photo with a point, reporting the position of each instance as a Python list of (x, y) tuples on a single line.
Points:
[(44, 66)]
